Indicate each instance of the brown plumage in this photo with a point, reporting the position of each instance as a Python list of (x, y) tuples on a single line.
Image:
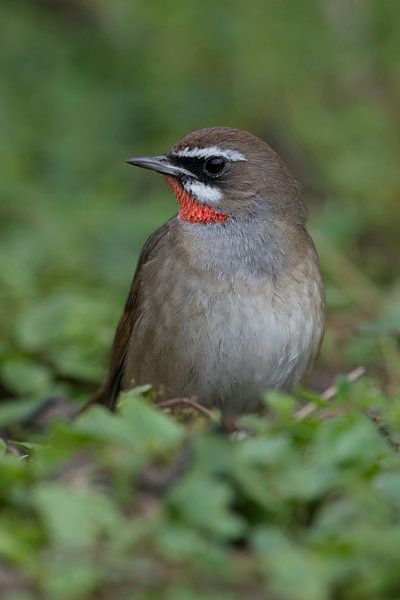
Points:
[(227, 299)]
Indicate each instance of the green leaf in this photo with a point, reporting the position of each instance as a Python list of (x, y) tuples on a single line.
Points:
[(3, 448), (204, 502), (26, 376), (75, 517), (137, 424), (292, 571)]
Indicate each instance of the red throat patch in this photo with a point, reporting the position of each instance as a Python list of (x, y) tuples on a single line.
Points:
[(189, 209)]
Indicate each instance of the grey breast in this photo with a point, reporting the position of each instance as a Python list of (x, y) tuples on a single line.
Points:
[(215, 326)]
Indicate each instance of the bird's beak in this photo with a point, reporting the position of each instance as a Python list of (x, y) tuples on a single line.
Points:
[(161, 164)]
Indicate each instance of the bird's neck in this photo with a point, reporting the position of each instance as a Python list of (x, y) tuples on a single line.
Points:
[(239, 249)]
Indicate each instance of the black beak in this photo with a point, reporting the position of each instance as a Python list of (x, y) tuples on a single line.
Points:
[(161, 164)]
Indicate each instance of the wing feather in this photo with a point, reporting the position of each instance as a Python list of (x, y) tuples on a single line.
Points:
[(108, 393)]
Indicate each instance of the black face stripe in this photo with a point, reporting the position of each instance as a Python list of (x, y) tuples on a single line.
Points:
[(194, 164)]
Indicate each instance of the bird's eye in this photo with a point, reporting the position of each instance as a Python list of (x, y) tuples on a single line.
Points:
[(214, 165)]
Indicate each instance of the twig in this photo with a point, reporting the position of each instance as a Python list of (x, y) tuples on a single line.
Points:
[(351, 377), (329, 393), (383, 429), (186, 402), (305, 411)]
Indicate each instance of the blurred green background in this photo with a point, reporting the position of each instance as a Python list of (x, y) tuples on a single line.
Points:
[(87, 83)]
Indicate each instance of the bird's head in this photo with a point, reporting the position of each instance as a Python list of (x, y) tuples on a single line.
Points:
[(221, 174)]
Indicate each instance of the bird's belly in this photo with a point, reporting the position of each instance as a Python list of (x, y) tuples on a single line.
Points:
[(225, 345)]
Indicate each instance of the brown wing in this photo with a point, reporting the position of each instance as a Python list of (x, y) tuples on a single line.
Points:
[(107, 394)]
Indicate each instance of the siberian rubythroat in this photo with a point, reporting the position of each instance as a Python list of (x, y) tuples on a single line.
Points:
[(227, 300)]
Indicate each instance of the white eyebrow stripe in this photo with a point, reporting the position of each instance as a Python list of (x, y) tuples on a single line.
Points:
[(232, 155), (203, 192)]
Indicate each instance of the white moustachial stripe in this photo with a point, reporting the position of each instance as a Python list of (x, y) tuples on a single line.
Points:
[(232, 155), (203, 192)]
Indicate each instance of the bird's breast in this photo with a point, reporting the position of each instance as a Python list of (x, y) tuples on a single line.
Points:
[(223, 339)]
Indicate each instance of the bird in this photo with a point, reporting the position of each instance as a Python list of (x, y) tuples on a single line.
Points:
[(227, 300)]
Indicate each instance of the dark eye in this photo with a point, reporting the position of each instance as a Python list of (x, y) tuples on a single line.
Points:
[(214, 165)]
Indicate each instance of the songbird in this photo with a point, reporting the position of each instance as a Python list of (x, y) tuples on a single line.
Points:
[(227, 300)]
